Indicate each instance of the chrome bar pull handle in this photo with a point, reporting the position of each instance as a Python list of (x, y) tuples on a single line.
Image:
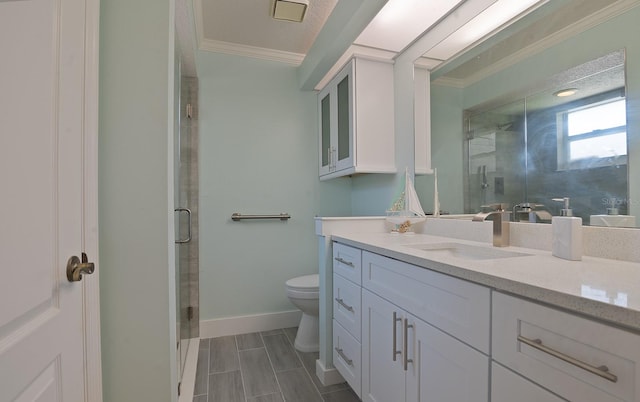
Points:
[(188, 239), (601, 371), (343, 356), (406, 344), (343, 304), (395, 335), (345, 262)]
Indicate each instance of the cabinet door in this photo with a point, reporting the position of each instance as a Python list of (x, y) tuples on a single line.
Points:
[(383, 379), (443, 368), (325, 131), (344, 157), (507, 386)]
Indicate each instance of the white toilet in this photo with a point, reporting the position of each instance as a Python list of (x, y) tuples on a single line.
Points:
[(303, 292)]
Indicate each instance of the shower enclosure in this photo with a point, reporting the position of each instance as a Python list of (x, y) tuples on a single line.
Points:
[(566, 139), (186, 218)]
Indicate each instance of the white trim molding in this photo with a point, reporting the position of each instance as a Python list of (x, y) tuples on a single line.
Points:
[(249, 323), (328, 376), (210, 45), (91, 285)]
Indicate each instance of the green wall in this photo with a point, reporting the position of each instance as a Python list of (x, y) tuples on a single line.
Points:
[(258, 155), (617, 33), (446, 151), (137, 292)]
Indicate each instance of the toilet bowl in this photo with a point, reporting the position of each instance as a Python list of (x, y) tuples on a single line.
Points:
[(303, 292)]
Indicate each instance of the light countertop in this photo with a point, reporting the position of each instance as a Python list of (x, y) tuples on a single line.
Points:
[(601, 288)]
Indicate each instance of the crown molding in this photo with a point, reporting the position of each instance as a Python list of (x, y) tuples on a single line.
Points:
[(363, 52), (449, 82), (209, 45), (576, 28)]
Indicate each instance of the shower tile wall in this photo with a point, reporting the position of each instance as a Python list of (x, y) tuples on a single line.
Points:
[(189, 268)]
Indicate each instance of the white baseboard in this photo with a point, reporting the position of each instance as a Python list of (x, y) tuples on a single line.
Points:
[(189, 374), (328, 376), (249, 323)]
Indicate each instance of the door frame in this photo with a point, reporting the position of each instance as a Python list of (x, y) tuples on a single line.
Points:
[(90, 283)]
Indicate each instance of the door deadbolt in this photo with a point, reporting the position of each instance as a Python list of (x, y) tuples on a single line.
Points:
[(76, 268)]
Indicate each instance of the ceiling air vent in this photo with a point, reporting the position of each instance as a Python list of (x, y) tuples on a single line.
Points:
[(290, 10)]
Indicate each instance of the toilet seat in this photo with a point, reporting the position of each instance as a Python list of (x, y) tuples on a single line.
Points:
[(306, 282), (304, 287)]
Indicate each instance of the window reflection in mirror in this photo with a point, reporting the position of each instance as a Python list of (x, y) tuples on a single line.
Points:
[(566, 140), (514, 76)]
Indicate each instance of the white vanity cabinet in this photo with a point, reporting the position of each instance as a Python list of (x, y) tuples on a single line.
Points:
[(347, 313), (413, 321), (357, 120), (571, 356), (506, 386)]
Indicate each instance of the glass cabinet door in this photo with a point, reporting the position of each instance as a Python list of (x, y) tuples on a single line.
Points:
[(345, 116), (325, 134)]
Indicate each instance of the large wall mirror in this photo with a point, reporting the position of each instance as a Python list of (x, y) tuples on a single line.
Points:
[(548, 108)]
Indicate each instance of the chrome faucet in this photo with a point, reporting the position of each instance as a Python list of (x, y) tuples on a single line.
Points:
[(500, 217)]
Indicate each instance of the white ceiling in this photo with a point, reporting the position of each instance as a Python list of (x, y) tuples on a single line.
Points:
[(246, 27)]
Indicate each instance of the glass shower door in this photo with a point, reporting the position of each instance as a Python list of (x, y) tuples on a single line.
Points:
[(186, 220)]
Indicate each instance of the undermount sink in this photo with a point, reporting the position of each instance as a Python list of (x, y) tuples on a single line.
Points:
[(466, 251)]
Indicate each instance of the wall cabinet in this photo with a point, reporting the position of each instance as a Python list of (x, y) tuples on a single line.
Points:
[(357, 120)]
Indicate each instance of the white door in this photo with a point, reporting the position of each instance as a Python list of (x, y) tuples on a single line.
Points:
[(47, 185)]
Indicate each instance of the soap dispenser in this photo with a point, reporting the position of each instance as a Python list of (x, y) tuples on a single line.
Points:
[(567, 233)]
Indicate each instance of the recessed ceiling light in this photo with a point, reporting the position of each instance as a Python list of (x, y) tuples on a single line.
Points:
[(290, 10), (565, 92)]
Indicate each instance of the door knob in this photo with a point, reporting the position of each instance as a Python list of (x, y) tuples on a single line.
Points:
[(75, 268)]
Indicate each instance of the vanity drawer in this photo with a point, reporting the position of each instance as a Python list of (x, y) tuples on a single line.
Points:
[(347, 261), (506, 386), (347, 357), (457, 307), (347, 306), (565, 353)]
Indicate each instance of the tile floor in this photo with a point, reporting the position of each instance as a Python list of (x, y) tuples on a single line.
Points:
[(261, 367)]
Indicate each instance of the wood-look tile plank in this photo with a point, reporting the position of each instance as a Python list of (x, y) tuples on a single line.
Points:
[(297, 386), (267, 398), (202, 372), (272, 332), (223, 355), (345, 395), (226, 387), (257, 373), (282, 354), (249, 341), (291, 333)]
